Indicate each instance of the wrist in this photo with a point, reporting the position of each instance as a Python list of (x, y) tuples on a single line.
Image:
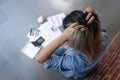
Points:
[(63, 37)]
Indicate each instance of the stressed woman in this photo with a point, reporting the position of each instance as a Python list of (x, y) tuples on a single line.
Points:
[(86, 43)]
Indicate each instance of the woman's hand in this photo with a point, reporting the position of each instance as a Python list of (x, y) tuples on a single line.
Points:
[(90, 18), (89, 10), (68, 31)]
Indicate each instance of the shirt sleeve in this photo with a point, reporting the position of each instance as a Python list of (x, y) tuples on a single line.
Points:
[(58, 62), (59, 51), (68, 65), (105, 36)]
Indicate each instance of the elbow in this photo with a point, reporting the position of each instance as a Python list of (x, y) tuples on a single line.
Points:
[(39, 60)]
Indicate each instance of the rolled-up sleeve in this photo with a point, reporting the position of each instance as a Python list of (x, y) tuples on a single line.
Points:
[(68, 65), (59, 51), (63, 64), (58, 63)]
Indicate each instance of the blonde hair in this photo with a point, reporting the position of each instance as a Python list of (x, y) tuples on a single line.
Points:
[(86, 38), (84, 41)]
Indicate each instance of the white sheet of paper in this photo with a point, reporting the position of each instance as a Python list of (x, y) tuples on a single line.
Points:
[(60, 17), (48, 34), (50, 21), (30, 50), (56, 19)]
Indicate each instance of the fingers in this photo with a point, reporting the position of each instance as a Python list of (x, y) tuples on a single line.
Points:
[(91, 20), (73, 25), (88, 16)]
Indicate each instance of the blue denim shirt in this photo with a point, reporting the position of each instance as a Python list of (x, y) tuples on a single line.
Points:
[(73, 64)]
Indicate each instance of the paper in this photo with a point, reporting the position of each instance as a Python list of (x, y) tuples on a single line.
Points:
[(56, 19), (49, 33), (60, 18), (30, 50), (48, 30), (50, 21)]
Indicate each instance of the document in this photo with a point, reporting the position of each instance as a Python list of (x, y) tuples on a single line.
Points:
[(56, 20), (30, 50), (49, 33), (46, 33)]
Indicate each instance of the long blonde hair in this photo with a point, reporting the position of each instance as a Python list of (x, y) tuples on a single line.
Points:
[(85, 38)]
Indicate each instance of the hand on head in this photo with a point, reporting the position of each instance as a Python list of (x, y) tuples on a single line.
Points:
[(90, 18), (68, 31), (88, 10)]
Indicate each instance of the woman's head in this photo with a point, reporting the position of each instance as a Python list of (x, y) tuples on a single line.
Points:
[(86, 37), (80, 18)]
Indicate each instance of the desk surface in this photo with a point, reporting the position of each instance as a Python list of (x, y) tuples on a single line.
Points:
[(17, 17)]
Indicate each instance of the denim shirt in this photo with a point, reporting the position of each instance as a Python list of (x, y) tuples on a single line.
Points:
[(73, 64)]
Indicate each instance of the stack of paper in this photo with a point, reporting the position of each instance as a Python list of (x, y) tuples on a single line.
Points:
[(48, 33), (48, 30)]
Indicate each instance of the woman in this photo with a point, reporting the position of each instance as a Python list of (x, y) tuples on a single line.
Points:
[(86, 44)]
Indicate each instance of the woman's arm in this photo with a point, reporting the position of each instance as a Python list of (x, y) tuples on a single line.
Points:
[(47, 51)]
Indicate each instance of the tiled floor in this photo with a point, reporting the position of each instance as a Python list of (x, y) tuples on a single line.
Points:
[(18, 16)]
